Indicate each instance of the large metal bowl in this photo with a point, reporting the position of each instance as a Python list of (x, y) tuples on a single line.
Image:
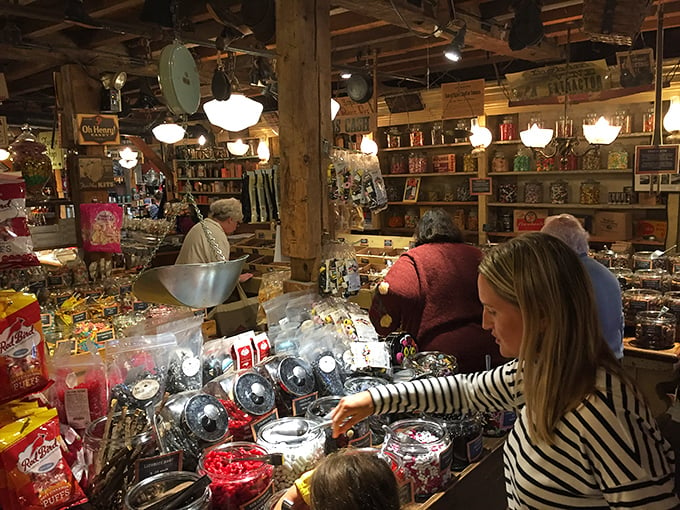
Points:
[(194, 285)]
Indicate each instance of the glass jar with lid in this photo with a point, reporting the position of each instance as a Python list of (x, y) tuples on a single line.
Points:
[(623, 118), (624, 276), (417, 163), (617, 157), (640, 300), (544, 163), (300, 442), (398, 164), (507, 129), (522, 160), (507, 193), (236, 482), (655, 330), (416, 136), (533, 192), (590, 192), (499, 163), (411, 218), (424, 448), (394, 138), (463, 192), (603, 256), (564, 127), (150, 490), (459, 219), (465, 431), (358, 436), (469, 162), (657, 279), (293, 381), (621, 259), (462, 126), (648, 120), (672, 302), (592, 159), (30, 157), (559, 192), (673, 263), (649, 260), (472, 221), (437, 133)]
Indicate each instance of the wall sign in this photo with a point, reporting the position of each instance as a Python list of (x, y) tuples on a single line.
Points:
[(656, 159), (95, 173), (354, 118), (97, 129), (481, 186), (550, 80), (463, 99)]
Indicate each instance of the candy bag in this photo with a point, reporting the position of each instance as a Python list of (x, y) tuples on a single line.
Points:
[(16, 246), (101, 224), (22, 346), (36, 477)]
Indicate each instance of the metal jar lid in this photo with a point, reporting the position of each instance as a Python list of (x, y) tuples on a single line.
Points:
[(144, 492), (206, 418), (296, 376), (253, 393)]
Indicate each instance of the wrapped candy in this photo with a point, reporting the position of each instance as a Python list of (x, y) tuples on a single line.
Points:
[(16, 247), (101, 225)]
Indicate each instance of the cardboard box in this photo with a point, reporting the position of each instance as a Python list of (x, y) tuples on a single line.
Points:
[(614, 225), (444, 163), (529, 220), (647, 228)]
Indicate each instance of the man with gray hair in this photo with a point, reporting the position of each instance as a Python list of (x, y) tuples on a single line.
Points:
[(225, 215), (605, 285)]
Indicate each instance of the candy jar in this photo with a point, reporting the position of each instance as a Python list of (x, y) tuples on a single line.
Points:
[(293, 381), (465, 432), (639, 300), (424, 448), (591, 160), (462, 128), (648, 260), (545, 163), (248, 398), (411, 218), (655, 329), (416, 136), (472, 222), (150, 490), (624, 276), (398, 164), (674, 263), (671, 301), (657, 279), (361, 383), (394, 138), (469, 162), (463, 192), (359, 436), (648, 120), (522, 160), (236, 482), (507, 193), (564, 127), (30, 158), (437, 133), (533, 192), (623, 118), (590, 193), (300, 442), (432, 363), (499, 163), (604, 256), (617, 158), (191, 421), (559, 192), (507, 129)]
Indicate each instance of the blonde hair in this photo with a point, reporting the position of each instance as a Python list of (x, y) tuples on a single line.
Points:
[(562, 345), (226, 208)]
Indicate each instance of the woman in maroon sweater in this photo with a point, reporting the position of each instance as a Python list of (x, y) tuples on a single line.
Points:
[(431, 293)]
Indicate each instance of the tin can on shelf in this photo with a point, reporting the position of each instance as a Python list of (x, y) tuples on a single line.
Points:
[(640, 300), (655, 330)]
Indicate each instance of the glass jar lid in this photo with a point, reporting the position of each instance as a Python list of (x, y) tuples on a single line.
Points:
[(320, 408), (291, 431), (254, 394), (206, 418)]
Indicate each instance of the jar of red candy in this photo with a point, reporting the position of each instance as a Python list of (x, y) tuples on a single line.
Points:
[(293, 381), (152, 489), (424, 448), (300, 442), (508, 129), (237, 483), (398, 164), (416, 136), (359, 436), (248, 398)]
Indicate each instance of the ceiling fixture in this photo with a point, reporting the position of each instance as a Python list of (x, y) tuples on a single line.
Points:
[(671, 121), (236, 114), (238, 148), (368, 146), (128, 154), (454, 50), (4, 154), (263, 151), (600, 133), (345, 75), (335, 108), (481, 137), (536, 137), (202, 140), (168, 132)]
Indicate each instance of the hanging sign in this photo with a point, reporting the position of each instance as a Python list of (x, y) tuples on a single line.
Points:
[(549, 81), (463, 99), (656, 159), (354, 118), (97, 129)]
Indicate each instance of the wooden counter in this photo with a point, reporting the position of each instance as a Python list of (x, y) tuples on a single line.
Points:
[(480, 485)]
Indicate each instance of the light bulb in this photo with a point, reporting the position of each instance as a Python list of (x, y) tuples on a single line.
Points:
[(671, 121), (236, 114), (481, 137), (168, 133), (536, 137), (4, 154), (263, 151), (368, 146), (128, 154), (600, 133), (201, 140), (238, 148)]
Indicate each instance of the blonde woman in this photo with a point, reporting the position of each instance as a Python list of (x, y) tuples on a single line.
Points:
[(584, 437)]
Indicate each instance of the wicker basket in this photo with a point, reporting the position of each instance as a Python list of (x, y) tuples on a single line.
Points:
[(614, 21)]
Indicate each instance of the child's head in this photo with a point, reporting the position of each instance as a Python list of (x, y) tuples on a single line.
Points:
[(354, 481)]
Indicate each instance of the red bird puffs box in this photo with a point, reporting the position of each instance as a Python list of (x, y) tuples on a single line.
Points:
[(22, 346)]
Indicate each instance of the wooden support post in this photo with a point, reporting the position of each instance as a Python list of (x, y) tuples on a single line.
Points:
[(303, 47)]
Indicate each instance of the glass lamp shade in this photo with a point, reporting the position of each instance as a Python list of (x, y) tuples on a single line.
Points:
[(481, 137), (128, 154), (235, 114), (202, 140), (128, 163), (238, 148), (168, 133), (335, 108), (368, 146), (263, 151), (600, 133), (536, 137), (4, 154), (671, 121)]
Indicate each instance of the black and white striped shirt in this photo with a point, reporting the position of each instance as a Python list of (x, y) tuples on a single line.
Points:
[(608, 452)]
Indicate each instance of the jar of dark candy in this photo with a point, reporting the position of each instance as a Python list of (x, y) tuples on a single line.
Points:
[(507, 193), (465, 432), (657, 279), (190, 422), (293, 381), (497, 423), (624, 276), (671, 301), (639, 300), (359, 436), (361, 383), (424, 448), (237, 484), (648, 260), (654, 329), (300, 442), (151, 490), (248, 398), (329, 374)]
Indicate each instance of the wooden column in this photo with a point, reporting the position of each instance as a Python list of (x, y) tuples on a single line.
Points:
[(303, 47)]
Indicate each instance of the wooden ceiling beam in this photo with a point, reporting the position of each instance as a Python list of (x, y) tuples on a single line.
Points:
[(349, 22)]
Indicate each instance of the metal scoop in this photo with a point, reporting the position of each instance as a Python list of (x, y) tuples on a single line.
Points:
[(658, 253)]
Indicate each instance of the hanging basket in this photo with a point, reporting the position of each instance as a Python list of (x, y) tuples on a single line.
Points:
[(614, 21)]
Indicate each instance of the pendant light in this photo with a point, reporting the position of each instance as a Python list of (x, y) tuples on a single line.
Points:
[(600, 133), (368, 146), (168, 132), (263, 151), (481, 137), (335, 108), (536, 137), (236, 114), (238, 148), (671, 121), (4, 154)]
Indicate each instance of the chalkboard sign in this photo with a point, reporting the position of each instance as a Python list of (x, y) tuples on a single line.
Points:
[(656, 159), (404, 103), (480, 186), (147, 467)]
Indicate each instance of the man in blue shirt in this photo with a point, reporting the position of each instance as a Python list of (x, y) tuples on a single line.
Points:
[(605, 285)]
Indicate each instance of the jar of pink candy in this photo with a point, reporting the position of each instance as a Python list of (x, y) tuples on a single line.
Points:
[(424, 449)]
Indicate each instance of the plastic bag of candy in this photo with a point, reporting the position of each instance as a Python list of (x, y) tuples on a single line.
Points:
[(101, 225), (22, 346), (16, 246)]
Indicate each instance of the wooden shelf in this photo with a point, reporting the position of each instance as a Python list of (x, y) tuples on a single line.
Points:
[(549, 205), (422, 147), (218, 160), (180, 178), (431, 203), (431, 174), (625, 171), (592, 239), (211, 192)]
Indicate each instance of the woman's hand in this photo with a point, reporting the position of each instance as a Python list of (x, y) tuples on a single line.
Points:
[(351, 410)]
